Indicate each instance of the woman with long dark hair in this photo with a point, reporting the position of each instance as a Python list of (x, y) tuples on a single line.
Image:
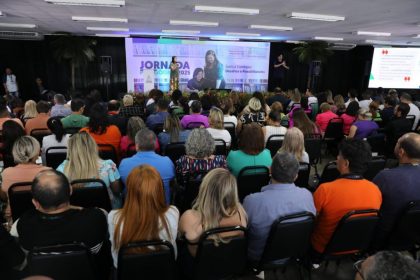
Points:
[(213, 70), (59, 138), (11, 132), (174, 74), (302, 121)]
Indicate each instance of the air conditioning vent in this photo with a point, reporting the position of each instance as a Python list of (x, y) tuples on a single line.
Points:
[(14, 35), (341, 46)]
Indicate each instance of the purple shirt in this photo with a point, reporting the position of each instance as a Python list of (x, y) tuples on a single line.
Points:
[(194, 118), (365, 129)]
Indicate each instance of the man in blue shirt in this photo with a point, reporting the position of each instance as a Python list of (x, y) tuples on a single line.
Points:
[(278, 199), (145, 146), (160, 116), (398, 186)]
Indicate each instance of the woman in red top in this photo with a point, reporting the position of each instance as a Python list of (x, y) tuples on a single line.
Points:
[(350, 116)]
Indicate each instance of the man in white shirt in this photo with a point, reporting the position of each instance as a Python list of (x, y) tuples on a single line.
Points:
[(10, 83), (414, 110), (365, 102), (352, 97)]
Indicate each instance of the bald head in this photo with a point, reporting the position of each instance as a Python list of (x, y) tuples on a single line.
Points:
[(409, 143), (51, 189)]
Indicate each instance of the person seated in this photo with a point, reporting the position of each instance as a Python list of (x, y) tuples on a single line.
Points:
[(144, 210), (193, 97), (145, 146), (172, 132), (397, 127), (100, 129), (339, 106), (374, 110), (280, 198), (10, 133), (11, 255), (350, 116), (217, 205), (364, 126), (302, 121), (279, 96), (199, 156), (324, 117), (159, 117), (115, 118), (134, 125), (151, 105), (195, 116), (349, 192), (25, 152), (387, 265), (83, 162), (303, 106), (60, 109), (198, 82), (29, 111), (414, 110), (273, 126), (352, 96), (256, 114), (40, 121), (130, 109), (294, 143), (76, 119), (216, 126), (251, 150), (366, 100), (387, 113), (398, 186), (55, 221), (58, 138), (311, 97), (295, 98)]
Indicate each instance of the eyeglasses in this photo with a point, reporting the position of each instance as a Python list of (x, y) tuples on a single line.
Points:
[(358, 267)]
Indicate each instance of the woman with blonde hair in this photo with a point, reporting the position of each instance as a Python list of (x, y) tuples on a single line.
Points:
[(294, 143), (30, 111), (294, 99), (364, 126), (217, 205), (339, 105), (83, 162), (256, 114), (172, 131), (216, 126), (145, 215)]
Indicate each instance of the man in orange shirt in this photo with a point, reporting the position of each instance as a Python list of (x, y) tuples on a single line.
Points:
[(40, 121), (349, 192)]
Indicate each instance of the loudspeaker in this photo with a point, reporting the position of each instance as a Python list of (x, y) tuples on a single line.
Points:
[(105, 65)]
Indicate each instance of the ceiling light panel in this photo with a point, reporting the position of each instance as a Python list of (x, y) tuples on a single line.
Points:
[(328, 38), (117, 29), (225, 10), (99, 19), (101, 3), (194, 23), (17, 25), (315, 17), (178, 31), (270, 27), (372, 33)]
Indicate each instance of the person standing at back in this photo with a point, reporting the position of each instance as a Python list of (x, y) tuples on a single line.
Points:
[(10, 83)]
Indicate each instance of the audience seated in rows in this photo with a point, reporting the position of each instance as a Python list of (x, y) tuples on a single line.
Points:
[(83, 162), (364, 126), (11, 132), (134, 125), (199, 158), (280, 198), (295, 98), (273, 126), (226, 105), (311, 98), (60, 109), (339, 106), (387, 113), (414, 110), (100, 129), (58, 138), (217, 205), (130, 108), (302, 121), (302, 106), (352, 95), (145, 147), (256, 114), (216, 126), (195, 116), (54, 221), (40, 121), (397, 126), (76, 118), (398, 186), (172, 132), (159, 117), (365, 101), (145, 215), (114, 118), (151, 105), (325, 116), (5, 115), (349, 192), (350, 116), (251, 150), (29, 111), (294, 143)]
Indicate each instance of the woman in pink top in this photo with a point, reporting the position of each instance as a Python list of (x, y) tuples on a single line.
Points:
[(350, 116), (326, 115)]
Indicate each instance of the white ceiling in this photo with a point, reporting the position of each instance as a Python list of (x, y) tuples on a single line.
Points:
[(400, 17)]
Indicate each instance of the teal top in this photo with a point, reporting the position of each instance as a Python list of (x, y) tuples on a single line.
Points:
[(237, 160)]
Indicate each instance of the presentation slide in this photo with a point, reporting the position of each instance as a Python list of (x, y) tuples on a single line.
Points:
[(241, 66), (395, 68)]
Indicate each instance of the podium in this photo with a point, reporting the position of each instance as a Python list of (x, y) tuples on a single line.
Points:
[(149, 79)]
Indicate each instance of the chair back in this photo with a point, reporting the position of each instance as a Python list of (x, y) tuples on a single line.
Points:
[(72, 130), (274, 143), (354, 232), (192, 125), (220, 147), (157, 128), (376, 165), (55, 156), (107, 151), (406, 233), (223, 260), (20, 199), (289, 238), (156, 263), (64, 262), (330, 173), (175, 150), (191, 183), (313, 146), (39, 133), (303, 176), (412, 119), (231, 128), (377, 143), (89, 193), (251, 179), (334, 130)]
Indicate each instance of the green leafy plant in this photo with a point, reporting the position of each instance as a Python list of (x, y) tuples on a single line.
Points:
[(76, 50)]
